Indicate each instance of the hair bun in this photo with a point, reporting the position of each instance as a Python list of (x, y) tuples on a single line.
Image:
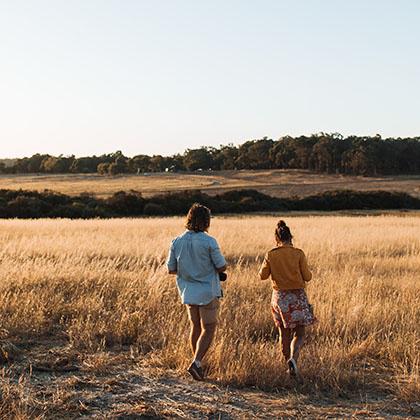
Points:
[(281, 224)]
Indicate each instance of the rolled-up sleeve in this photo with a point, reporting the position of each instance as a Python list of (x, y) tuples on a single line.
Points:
[(265, 270), (171, 262), (304, 269), (216, 255)]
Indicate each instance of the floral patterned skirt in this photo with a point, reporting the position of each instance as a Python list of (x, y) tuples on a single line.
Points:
[(290, 308)]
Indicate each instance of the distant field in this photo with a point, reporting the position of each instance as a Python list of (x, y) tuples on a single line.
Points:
[(278, 183)]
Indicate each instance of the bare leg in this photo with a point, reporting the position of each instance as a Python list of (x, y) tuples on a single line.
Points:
[(285, 341), (205, 340), (297, 342), (195, 333), (195, 327)]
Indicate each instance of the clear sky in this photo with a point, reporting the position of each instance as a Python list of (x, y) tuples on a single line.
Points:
[(158, 76)]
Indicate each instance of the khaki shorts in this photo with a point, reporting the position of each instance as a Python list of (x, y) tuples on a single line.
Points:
[(206, 314)]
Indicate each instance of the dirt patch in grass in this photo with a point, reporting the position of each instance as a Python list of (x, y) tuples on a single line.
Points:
[(53, 380)]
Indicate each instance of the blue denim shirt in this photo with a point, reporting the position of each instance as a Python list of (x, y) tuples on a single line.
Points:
[(195, 257)]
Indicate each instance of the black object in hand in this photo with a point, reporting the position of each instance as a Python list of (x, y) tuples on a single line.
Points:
[(222, 276)]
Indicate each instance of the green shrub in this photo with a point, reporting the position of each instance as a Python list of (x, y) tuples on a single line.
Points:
[(32, 204), (126, 204), (153, 209)]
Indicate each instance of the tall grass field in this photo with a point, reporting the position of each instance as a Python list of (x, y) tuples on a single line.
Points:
[(102, 284)]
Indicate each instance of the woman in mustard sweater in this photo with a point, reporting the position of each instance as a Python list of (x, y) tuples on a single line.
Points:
[(291, 310)]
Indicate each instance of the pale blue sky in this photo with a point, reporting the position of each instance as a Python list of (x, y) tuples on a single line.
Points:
[(159, 76)]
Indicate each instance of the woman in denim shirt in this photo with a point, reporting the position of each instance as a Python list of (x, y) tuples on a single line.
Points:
[(195, 258)]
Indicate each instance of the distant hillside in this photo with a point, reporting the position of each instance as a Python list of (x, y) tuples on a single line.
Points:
[(277, 183)]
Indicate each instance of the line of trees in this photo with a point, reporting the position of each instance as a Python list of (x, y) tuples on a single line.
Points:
[(33, 204), (328, 153)]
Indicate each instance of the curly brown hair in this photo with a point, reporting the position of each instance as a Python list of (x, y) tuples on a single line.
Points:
[(198, 218)]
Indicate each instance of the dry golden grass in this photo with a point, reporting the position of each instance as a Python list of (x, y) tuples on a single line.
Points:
[(280, 183), (103, 283)]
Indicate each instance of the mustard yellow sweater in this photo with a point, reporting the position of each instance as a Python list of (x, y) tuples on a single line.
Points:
[(287, 266)]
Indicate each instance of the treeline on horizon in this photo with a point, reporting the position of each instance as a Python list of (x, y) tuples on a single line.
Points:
[(49, 204), (327, 153)]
